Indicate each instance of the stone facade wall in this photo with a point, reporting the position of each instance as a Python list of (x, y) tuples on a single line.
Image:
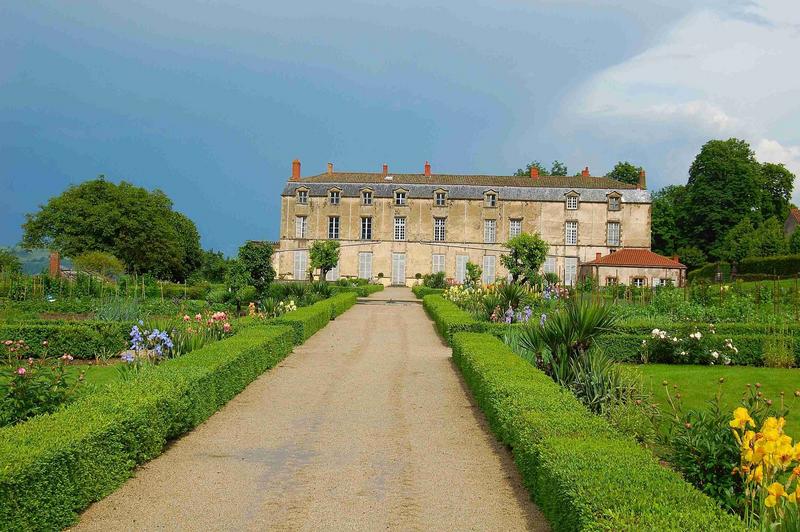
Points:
[(464, 231)]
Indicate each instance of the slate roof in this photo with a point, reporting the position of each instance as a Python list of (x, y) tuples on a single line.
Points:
[(544, 188), (636, 258)]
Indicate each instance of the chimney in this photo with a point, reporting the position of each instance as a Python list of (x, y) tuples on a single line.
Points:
[(55, 264), (642, 180), (296, 170), (330, 168), (427, 168), (534, 173), (585, 172), (385, 169), (676, 258), (597, 256)]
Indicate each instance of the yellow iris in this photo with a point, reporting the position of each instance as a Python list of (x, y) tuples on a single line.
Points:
[(775, 490), (741, 418)]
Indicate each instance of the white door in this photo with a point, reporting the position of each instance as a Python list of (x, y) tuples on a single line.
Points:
[(488, 269), (399, 269), (365, 265), (300, 265), (461, 268), (570, 270)]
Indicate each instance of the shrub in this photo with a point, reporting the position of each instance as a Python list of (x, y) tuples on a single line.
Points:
[(434, 280), (56, 465), (581, 473), (783, 265), (81, 339), (421, 291), (305, 321), (448, 318)]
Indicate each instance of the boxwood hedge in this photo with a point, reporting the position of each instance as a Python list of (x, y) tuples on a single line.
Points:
[(305, 321), (81, 339), (581, 473), (449, 318), (421, 291), (54, 466)]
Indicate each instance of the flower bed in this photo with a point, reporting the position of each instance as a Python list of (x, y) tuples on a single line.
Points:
[(449, 318), (580, 472), (306, 321)]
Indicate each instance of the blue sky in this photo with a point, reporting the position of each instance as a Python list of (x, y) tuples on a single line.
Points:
[(210, 101)]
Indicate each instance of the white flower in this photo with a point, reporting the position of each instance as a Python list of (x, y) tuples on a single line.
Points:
[(715, 354), (655, 332)]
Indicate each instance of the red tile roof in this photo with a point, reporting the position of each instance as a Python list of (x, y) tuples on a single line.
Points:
[(637, 258), (795, 213)]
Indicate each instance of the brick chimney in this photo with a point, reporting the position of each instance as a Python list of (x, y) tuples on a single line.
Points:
[(296, 170), (676, 258), (385, 169), (585, 172), (427, 168), (330, 168), (55, 264), (597, 255), (642, 184), (534, 173)]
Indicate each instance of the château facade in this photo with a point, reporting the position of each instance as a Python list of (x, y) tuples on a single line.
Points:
[(393, 226)]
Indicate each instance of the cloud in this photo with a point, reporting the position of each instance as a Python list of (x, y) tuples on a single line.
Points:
[(723, 70)]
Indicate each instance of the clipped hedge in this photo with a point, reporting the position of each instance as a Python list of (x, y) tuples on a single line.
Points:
[(784, 265), (305, 321), (580, 472), (449, 318), (81, 339), (708, 272), (421, 291), (56, 465), (362, 290)]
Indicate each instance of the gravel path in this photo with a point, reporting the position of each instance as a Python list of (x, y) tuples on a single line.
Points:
[(366, 426)]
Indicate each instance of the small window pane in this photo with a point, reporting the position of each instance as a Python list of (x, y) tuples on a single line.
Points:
[(366, 228), (399, 228), (437, 263), (514, 228), (613, 203), (571, 233), (333, 227), (572, 202), (302, 197), (613, 233), (366, 198), (439, 229), (399, 198), (441, 197), (490, 231), (334, 197), (491, 200), (301, 227)]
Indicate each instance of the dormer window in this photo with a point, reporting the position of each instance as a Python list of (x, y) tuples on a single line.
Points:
[(334, 196), (614, 202), (366, 197), (490, 199), (572, 201), (440, 199), (400, 197), (302, 197)]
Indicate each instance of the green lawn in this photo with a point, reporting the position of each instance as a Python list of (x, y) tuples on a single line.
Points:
[(698, 384)]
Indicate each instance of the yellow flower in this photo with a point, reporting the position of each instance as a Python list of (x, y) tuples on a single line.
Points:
[(756, 475), (775, 490), (794, 496), (741, 417)]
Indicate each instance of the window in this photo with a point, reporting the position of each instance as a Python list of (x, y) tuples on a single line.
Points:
[(488, 269), (300, 264), (611, 281), (613, 203), (549, 264), (437, 263), (461, 268), (441, 198), (399, 228), (399, 198), (572, 202), (366, 197), (302, 197), (639, 282), (365, 265), (366, 228), (613, 233), (334, 196), (571, 233), (491, 200), (662, 282), (490, 231), (439, 229), (514, 227), (300, 227), (333, 273), (333, 227)]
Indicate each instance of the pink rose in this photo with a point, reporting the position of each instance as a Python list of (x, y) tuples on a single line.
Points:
[(186, 317), (198, 317), (21, 371), (67, 357), (8, 342), (226, 327)]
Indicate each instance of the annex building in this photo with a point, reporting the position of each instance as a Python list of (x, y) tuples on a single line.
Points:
[(393, 226)]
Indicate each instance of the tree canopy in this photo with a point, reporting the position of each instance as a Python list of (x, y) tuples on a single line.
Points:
[(527, 253), (136, 225), (625, 172), (324, 254), (256, 257), (557, 168), (9, 263), (666, 212), (100, 263)]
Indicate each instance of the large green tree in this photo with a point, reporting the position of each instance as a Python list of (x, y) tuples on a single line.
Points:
[(667, 208), (724, 186), (557, 168), (527, 253), (9, 263), (740, 242), (625, 172), (136, 225), (777, 185), (257, 260), (213, 266)]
